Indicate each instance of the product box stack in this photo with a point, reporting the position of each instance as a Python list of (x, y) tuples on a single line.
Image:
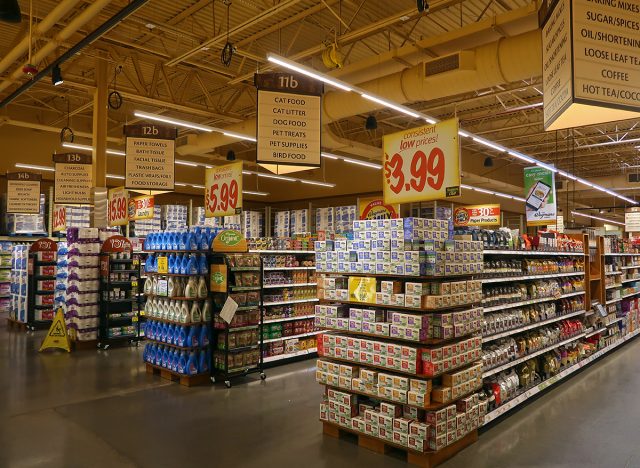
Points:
[(83, 282), (62, 273), (19, 283), (26, 223), (78, 216), (282, 224), (344, 218), (200, 220), (299, 222), (5, 275), (174, 217), (401, 361), (233, 222), (144, 227), (252, 224), (403, 246), (325, 219)]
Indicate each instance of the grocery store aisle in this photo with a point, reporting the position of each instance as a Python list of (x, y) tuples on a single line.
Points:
[(100, 409)]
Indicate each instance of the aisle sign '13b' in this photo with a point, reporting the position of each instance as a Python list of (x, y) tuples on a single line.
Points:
[(223, 190), (422, 164)]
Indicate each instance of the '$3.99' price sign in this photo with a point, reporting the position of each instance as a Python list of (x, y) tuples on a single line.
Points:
[(223, 190), (422, 164), (117, 211)]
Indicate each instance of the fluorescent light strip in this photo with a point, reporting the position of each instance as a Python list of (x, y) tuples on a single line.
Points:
[(610, 221), (313, 182), (406, 110), (169, 120), (492, 192), (308, 72), (288, 179), (115, 176), (239, 136), (609, 143), (351, 160), (35, 167), (80, 147), (252, 192), (186, 163)]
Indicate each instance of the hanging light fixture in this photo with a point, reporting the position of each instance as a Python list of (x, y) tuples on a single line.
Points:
[(488, 161), (371, 123), (56, 76)]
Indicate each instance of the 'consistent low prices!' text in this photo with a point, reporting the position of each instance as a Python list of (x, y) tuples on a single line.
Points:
[(422, 163), (223, 190)]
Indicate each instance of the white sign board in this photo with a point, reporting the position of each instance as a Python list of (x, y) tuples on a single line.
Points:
[(150, 160)]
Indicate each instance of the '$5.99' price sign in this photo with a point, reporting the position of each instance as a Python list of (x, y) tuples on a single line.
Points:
[(117, 213), (422, 164), (223, 190)]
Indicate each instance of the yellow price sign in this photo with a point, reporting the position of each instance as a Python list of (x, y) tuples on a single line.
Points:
[(163, 265)]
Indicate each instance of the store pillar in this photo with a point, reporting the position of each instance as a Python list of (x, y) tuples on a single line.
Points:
[(100, 111)]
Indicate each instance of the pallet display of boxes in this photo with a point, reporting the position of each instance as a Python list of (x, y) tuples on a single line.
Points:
[(403, 246), (174, 217), (144, 227)]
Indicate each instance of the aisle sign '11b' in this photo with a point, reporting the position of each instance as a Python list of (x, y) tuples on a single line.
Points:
[(223, 190), (422, 164)]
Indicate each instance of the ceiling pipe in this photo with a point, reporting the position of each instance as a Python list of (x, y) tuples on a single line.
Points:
[(79, 21), (485, 66), (40, 29)]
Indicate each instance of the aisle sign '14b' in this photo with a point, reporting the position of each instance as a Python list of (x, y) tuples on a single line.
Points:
[(117, 209), (422, 164), (223, 190)]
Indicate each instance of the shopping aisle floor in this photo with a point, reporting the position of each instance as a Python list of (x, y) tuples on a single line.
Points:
[(100, 409)]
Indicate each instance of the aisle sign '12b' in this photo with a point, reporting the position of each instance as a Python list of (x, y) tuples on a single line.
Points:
[(223, 190), (117, 213), (422, 164)]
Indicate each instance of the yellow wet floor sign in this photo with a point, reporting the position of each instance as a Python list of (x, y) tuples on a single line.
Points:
[(57, 335)]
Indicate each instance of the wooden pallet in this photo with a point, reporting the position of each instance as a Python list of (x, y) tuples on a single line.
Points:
[(14, 324), (424, 460), (186, 380)]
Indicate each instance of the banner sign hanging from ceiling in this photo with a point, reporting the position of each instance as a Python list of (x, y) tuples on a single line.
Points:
[(23, 192), (540, 195), (150, 160), (141, 207), (590, 62), (223, 190), (632, 220), (289, 122), (73, 178), (422, 164), (476, 215), (375, 208)]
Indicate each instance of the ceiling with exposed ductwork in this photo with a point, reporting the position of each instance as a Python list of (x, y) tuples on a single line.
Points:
[(483, 65)]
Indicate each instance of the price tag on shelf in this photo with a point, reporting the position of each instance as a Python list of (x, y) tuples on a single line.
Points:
[(59, 218), (223, 190), (117, 207), (134, 319), (422, 164), (134, 284), (163, 265)]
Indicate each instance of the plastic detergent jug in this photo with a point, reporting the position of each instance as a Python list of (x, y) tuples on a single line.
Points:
[(193, 268), (203, 292), (203, 265), (191, 242), (204, 336), (191, 290), (145, 246), (184, 313), (181, 336), (165, 357), (171, 262), (148, 330), (184, 265), (171, 287), (182, 363), (174, 241), (206, 311), (196, 313), (170, 332), (151, 355), (204, 240), (192, 337), (154, 285), (192, 364), (203, 365), (147, 286)]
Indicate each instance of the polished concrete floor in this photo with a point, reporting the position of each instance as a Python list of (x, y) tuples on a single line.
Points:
[(100, 409)]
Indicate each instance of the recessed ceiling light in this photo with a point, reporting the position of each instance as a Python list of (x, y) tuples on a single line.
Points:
[(150, 26)]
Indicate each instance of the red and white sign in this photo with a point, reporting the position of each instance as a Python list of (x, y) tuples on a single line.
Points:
[(422, 164), (223, 190), (117, 214), (141, 207), (59, 218), (476, 215)]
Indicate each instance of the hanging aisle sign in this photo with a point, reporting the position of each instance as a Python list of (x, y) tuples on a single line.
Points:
[(476, 215), (223, 190), (117, 208), (73, 178), (23, 192), (141, 207), (540, 195), (590, 62), (422, 164), (289, 123), (150, 160)]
